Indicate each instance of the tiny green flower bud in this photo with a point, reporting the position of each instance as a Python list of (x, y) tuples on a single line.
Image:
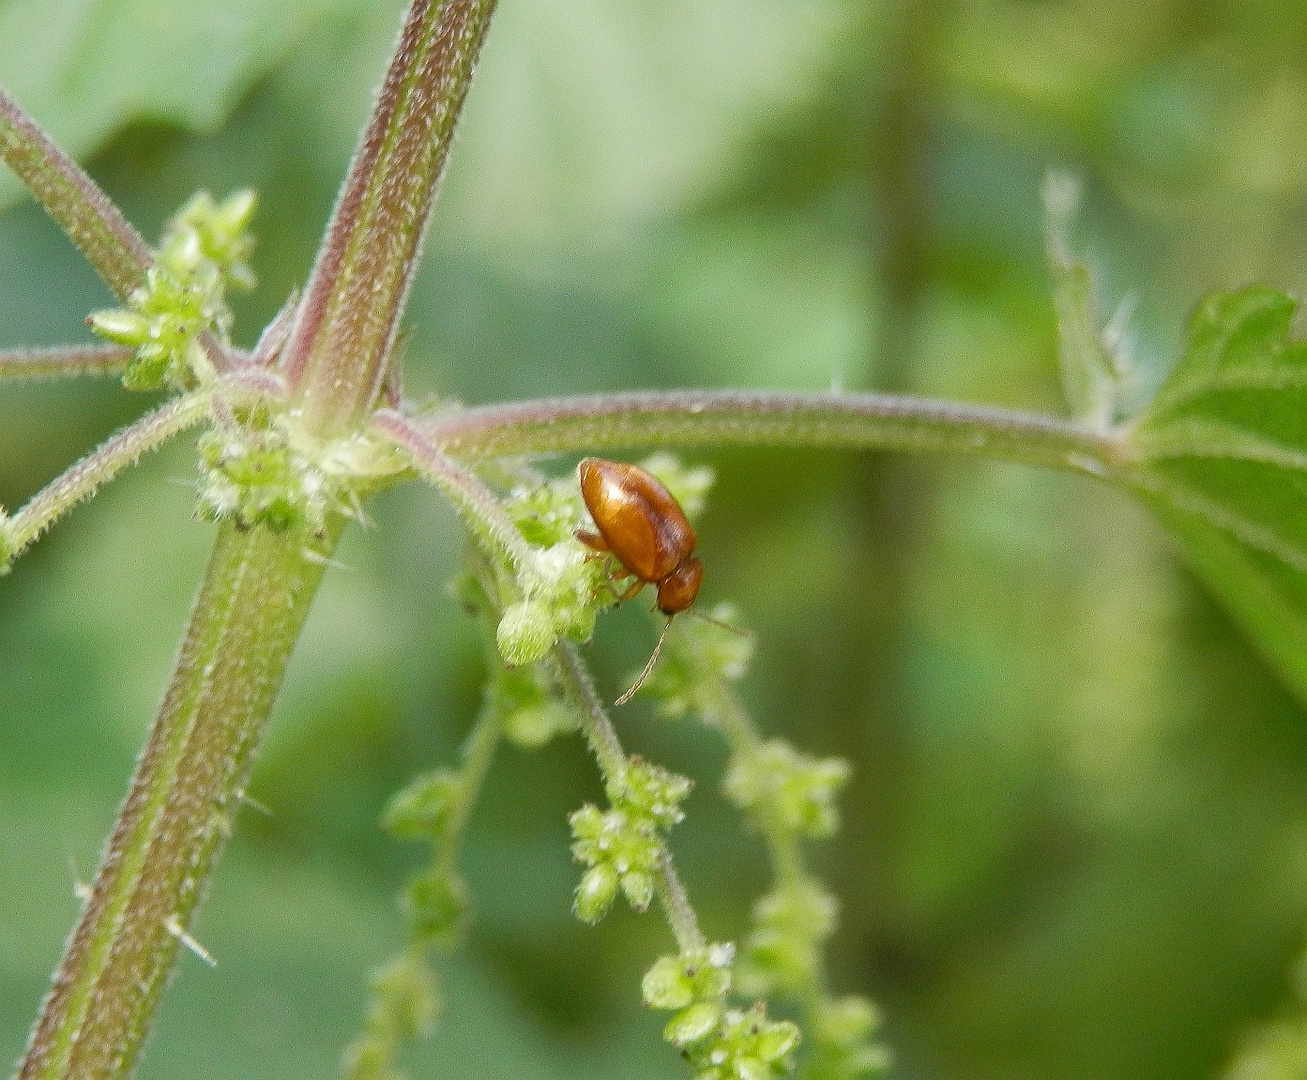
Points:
[(425, 808), (692, 1024), (595, 894), (120, 326), (406, 992), (666, 985), (752, 1068), (776, 1039), (367, 1058), (525, 633), (533, 727), (437, 905), (235, 211), (587, 827), (847, 1020), (638, 887), (647, 790)]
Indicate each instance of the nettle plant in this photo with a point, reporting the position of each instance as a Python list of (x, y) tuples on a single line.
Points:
[(302, 429)]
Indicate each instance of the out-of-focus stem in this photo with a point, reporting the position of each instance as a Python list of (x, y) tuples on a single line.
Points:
[(64, 361)]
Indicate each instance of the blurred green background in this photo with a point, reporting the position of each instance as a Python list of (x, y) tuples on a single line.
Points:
[(1076, 842)]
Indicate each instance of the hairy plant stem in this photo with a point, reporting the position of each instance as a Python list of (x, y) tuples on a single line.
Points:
[(83, 479), (73, 199), (497, 537), (578, 688), (743, 417), (64, 361), (181, 803), (341, 343)]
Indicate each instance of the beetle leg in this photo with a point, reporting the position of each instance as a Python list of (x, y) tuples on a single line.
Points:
[(593, 541), (636, 586)]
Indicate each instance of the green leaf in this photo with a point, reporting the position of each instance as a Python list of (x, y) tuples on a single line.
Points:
[(1221, 453), (85, 68)]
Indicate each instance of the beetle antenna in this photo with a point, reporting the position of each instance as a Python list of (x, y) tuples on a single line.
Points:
[(648, 668), (737, 630)]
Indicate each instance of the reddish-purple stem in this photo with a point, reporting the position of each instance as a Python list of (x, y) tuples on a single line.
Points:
[(74, 200), (761, 417), (337, 354)]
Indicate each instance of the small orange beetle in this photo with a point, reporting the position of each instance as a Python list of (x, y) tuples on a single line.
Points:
[(645, 529)]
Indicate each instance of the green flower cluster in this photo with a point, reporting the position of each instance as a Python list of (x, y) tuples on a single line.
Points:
[(564, 586), (264, 472), (721, 1043), (204, 252), (623, 847), (404, 1006), (700, 658), (843, 1041), (788, 796), (563, 589), (436, 898), (784, 789), (782, 954)]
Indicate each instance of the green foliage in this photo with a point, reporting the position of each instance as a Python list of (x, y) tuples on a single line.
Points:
[(191, 67), (1221, 452), (1029, 639)]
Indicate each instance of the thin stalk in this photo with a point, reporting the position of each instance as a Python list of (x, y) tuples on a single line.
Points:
[(83, 479), (180, 806), (498, 537), (579, 689), (345, 331), (734, 417), (73, 199), (64, 361), (478, 754), (784, 850), (745, 739)]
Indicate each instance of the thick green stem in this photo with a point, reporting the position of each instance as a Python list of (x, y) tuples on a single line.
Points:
[(180, 806), (343, 336), (72, 198), (743, 417)]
